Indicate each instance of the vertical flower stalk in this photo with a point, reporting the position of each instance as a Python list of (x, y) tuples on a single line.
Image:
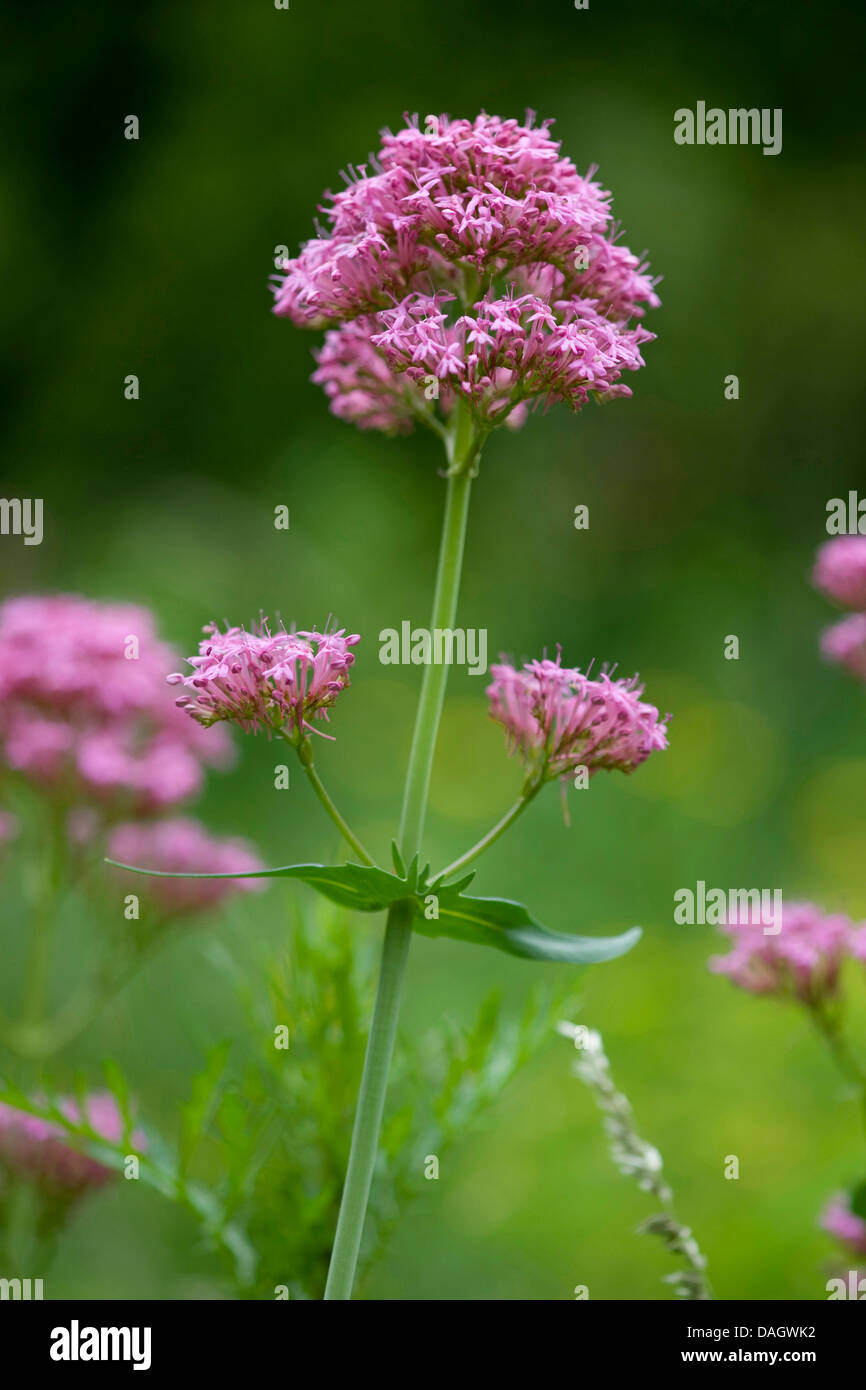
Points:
[(467, 273), (462, 455)]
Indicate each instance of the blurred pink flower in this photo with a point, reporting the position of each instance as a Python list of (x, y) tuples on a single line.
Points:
[(182, 845), (558, 719), (278, 682), (488, 211), (83, 707), (39, 1148), (845, 644), (802, 960), (841, 1222), (840, 571)]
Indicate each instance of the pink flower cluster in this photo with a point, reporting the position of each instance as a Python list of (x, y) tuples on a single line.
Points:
[(278, 682), (86, 716), (840, 571), (844, 1225), (39, 1149), (845, 644), (558, 719), (840, 574), (183, 846), (83, 708), (509, 350), (486, 215), (802, 960)]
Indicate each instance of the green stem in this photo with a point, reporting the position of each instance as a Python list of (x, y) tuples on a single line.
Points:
[(492, 835), (830, 1029), (462, 456), (371, 1102), (435, 676), (315, 781)]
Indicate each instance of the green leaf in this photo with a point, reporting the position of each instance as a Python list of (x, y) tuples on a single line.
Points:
[(363, 887), (858, 1201), (508, 926), (486, 921), (119, 1089), (204, 1098)]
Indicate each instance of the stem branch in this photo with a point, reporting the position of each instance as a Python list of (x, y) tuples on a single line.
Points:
[(315, 781), (490, 838)]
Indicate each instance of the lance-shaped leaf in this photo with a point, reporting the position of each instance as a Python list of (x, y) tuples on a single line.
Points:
[(496, 922), (508, 926), (363, 887)]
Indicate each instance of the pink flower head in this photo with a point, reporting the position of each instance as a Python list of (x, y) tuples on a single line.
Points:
[(845, 644), (183, 846), (844, 1225), (279, 682), (471, 254), (39, 1149), (83, 706), (557, 719), (840, 571), (801, 960)]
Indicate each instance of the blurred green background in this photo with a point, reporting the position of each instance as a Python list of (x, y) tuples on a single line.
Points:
[(152, 257)]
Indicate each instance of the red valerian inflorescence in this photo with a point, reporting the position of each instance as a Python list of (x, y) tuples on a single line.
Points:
[(558, 719), (86, 719), (840, 571), (802, 960), (840, 574), (278, 681), (470, 260), (845, 1225), (83, 708)]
